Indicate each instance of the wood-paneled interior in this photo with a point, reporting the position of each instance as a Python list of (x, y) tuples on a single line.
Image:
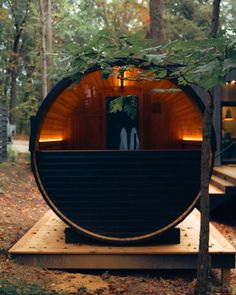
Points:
[(76, 118)]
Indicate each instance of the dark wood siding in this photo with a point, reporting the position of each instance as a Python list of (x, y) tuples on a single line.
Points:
[(120, 194)]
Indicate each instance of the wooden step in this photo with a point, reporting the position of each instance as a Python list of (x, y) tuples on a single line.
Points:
[(217, 197), (221, 183), (213, 190), (226, 172)]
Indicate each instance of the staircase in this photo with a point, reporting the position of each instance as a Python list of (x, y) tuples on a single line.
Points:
[(222, 186)]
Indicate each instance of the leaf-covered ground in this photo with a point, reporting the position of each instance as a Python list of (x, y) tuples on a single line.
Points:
[(21, 205)]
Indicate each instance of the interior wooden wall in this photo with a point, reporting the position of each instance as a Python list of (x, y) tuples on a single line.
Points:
[(76, 118)]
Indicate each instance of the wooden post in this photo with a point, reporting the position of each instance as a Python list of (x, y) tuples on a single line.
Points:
[(225, 277), (3, 132)]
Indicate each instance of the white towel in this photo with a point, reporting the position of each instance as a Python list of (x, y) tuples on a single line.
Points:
[(134, 140), (123, 139)]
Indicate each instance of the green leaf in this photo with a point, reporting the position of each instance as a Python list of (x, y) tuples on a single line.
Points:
[(165, 90), (106, 72)]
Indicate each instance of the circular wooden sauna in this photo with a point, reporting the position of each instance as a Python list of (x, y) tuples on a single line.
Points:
[(118, 160)]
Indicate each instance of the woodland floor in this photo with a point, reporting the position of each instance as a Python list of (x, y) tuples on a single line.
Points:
[(21, 205)]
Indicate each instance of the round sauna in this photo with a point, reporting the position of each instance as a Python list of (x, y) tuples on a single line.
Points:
[(118, 159)]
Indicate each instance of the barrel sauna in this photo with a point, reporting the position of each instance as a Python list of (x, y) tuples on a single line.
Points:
[(110, 175)]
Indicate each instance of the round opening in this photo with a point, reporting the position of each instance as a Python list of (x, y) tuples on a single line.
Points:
[(119, 160)]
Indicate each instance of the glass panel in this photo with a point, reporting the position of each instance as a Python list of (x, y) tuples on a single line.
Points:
[(229, 134), (229, 91)]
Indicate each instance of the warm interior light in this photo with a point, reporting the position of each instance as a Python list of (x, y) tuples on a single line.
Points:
[(230, 82), (228, 116), (125, 81), (228, 119), (192, 138), (50, 139), (122, 81)]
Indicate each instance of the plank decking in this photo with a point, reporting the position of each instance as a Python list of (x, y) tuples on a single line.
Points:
[(44, 245)]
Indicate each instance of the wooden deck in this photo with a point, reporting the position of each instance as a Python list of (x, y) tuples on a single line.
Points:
[(44, 245), (227, 171), (222, 188)]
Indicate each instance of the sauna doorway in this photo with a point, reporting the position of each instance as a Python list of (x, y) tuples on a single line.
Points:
[(122, 123)]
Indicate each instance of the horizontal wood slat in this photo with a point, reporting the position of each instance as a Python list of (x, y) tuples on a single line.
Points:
[(120, 194)]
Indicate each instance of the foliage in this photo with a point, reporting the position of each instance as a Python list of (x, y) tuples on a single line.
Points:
[(124, 17), (81, 30), (18, 287), (11, 154), (126, 104), (203, 62), (26, 158), (186, 19), (101, 52)]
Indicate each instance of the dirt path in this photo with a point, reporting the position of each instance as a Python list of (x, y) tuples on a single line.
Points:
[(20, 146), (21, 205)]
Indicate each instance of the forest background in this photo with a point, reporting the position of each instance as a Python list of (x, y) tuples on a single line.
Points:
[(37, 37)]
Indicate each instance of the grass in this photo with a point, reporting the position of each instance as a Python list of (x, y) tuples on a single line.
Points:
[(14, 156), (26, 157), (11, 154), (18, 287)]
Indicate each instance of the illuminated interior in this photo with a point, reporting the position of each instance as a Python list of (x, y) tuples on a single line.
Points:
[(78, 118)]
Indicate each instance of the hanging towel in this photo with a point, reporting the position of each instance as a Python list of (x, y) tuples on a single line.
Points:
[(134, 140), (123, 139)]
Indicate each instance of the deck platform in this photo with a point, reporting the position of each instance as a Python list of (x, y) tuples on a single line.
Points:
[(43, 245)]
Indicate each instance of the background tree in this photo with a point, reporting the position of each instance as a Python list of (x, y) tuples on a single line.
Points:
[(75, 24), (43, 48), (127, 16), (186, 19), (156, 25), (49, 36), (215, 18), (6, 24), (19, 13)]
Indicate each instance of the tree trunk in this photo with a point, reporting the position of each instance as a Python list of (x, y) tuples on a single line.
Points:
[(155, 11), (204, 263), (203, 267), (14, 74), (49, 37), (3, 131), (215, 18), (18, 25), (12, 115), (43, 58)]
